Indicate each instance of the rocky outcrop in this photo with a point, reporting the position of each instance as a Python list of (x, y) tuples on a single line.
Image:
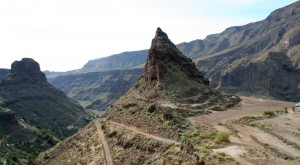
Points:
[(8, 116), (26, 71), (169, 75), (164, 53)]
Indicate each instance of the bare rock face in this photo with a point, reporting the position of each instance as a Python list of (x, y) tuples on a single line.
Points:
[(26, 71), (272, 75), (163, 55)]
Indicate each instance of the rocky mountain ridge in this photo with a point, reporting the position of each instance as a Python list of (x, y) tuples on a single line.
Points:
[(215, 55), (37, 115)]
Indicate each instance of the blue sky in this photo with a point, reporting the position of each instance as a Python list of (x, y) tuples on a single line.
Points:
[(64, 34)]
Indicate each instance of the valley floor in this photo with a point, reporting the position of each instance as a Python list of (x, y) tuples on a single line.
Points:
[(256, 139)]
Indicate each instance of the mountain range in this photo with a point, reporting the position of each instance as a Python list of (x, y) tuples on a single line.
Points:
[(147, 111), (240, 60)]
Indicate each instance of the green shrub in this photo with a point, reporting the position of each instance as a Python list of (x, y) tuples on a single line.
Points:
[(222, 137), (103, 127), (207, 134), (112, 134), (215, 108), (286, 110), (229, 105), (159, 162), (151, 108), (269, 114)]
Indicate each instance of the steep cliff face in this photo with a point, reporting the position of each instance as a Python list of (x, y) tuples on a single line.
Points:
[(272, 75)]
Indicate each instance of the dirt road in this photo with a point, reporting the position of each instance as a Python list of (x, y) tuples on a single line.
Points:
[(139, 131), (247, 107), (254, 139), (104, 143)]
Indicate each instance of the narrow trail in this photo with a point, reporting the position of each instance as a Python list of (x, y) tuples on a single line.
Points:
[(139, 131), (104, 143)]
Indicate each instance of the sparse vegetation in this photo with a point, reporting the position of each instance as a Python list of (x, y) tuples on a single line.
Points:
[(112, 134), (261, 125), (269, 114), (216, 108), (286, 110), (223, 137), (229, 105), (221, 156)]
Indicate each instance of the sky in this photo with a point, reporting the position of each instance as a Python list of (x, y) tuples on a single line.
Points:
[(64, 35)]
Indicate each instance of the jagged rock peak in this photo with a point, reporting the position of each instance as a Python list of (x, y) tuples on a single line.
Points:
[(160, 33), (26, 71), (164, 56)]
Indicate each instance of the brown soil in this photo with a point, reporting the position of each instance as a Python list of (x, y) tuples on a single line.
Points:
[(251, 145), (247, 107)]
